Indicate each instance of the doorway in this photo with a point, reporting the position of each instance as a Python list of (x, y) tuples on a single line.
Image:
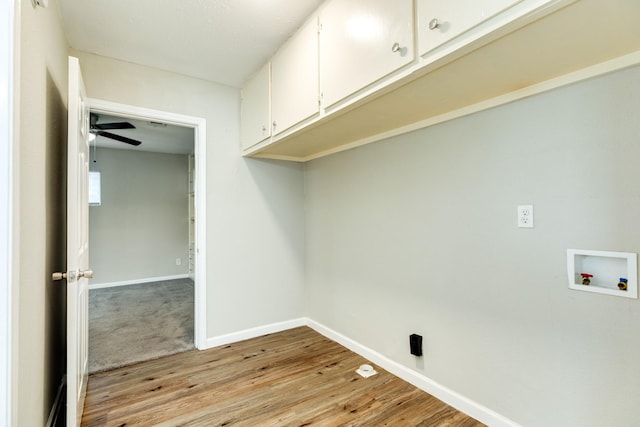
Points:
[(197, 193)]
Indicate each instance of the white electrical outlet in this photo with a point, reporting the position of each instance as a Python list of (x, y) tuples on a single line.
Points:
[(178, 261), (525, 216)]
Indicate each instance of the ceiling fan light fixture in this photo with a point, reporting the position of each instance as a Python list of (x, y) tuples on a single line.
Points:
[(100, 129)]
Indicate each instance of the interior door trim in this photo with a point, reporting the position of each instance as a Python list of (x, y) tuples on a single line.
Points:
[(199, 126), (9, 46)]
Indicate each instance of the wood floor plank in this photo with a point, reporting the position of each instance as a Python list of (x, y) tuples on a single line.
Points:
[(292, 378)]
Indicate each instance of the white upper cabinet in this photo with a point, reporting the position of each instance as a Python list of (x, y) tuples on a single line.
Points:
[(353, 74), (255, 120), (440, 21), (362, 41), (294, 79)]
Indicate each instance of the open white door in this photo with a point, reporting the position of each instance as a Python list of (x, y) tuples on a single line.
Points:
[(77, 246)]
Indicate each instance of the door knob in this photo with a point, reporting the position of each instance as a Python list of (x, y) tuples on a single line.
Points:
[(58, 276), (87, 274)]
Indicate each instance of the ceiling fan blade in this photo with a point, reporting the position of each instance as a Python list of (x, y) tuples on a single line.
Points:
[(119, 138), (112, 126)]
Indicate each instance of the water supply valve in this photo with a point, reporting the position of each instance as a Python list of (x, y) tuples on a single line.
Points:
[(622, 284), (586, 278)]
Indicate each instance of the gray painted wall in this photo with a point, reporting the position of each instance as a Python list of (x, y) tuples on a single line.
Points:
[(142, 225), (39, 364), (418, 234), (255, 209)]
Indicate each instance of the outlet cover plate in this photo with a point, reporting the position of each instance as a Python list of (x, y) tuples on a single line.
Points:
[(525, 216)]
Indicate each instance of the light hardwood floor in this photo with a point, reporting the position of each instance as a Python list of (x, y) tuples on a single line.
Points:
[(292, 378)]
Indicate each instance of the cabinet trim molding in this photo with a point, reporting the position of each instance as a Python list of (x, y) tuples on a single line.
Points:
[(606, 67)]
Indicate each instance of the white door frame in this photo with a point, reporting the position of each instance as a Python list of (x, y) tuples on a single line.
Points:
[(7, 86), (200, 132)]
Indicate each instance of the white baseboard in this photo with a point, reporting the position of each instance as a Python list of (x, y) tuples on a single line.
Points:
[(136, 281), (254, 332), (56, 409), (450, 397)]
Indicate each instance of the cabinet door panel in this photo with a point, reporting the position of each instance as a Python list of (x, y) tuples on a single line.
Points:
[(454, 18), (255, 120), (356, 44), (294, 79)]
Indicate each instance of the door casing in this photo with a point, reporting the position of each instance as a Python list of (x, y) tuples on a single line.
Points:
[(200, 133), (8, 48)]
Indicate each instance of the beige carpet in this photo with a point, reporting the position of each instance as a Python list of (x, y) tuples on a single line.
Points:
[(130, 324)]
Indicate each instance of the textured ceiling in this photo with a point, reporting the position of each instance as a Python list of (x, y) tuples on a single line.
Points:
[(224, 41)]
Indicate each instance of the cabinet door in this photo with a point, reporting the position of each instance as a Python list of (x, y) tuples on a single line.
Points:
[(440, 21), (255, 120), (362, 41), (294, 79)]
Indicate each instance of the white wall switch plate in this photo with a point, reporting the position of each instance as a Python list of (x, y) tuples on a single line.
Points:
[(525, 216)]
